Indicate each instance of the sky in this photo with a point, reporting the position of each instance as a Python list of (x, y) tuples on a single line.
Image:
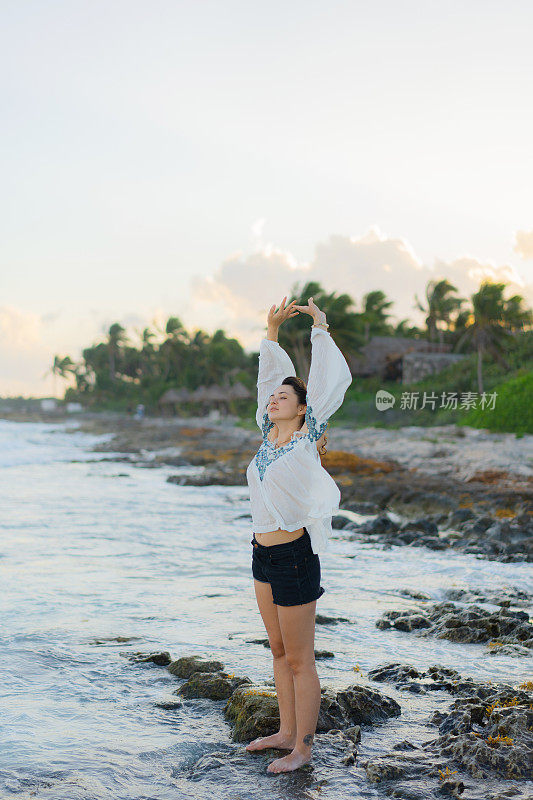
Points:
[(198, 159)]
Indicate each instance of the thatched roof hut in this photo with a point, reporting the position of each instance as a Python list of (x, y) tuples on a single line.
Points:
[(172, 396), (238, 391), (213, 395)]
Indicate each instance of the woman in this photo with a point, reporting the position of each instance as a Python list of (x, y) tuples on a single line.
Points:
[(292, 499)]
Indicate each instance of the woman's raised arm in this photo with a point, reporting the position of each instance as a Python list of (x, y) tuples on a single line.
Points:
[(274, 365), (329, 378)]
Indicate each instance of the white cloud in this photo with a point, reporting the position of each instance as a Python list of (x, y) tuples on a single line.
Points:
[(19, 330), (23, 357), (237, 296), (523, 244), (239, 293)]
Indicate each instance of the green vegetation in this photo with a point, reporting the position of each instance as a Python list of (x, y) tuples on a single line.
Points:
[(493, 332), (513, 410), (359, 408)]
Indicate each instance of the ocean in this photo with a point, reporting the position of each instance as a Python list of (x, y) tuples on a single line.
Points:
[(95, 551)]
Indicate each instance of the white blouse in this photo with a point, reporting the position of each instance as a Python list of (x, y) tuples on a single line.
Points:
[(289, 487)]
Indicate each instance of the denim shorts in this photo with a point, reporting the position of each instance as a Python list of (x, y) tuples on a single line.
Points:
[(291, 569)]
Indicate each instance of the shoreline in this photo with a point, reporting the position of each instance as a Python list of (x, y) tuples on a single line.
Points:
[(448, 486)]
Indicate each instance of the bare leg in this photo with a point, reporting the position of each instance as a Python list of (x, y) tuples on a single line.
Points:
[(297, 625), (285, 738)]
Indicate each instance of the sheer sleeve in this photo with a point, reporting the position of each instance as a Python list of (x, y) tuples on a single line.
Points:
[(329, 378), (274, 365)]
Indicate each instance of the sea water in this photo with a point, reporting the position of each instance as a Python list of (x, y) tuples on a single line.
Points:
[(94, 551)]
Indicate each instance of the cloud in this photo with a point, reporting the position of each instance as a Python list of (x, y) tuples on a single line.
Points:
[(29, 342), (523, 244), (22, 354), (19, 330), (239, 293)]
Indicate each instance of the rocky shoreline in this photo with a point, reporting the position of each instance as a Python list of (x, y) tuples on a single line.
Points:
[(476, 740), (487, 512), (480, 742)]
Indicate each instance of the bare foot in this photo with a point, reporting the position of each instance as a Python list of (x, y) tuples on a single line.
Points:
[(278, 740), (289, 762)]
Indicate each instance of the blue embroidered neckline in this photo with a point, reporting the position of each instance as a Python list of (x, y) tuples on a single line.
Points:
[(268, 452)]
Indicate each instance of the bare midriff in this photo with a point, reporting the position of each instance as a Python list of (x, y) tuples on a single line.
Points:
[(278, 537)]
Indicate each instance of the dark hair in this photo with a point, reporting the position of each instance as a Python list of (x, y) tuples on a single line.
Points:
[(300, 388), (301, 392)]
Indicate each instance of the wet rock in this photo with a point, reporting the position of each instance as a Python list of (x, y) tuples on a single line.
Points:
[(118, 639), (252, 711), (458, 516), (407, 620), (408, 677), (323, 619), (169, 705), (331, 714), (506, 596), (415, 595), (405, 744), (419, 532), (380, 525), (160, 659), (343, 743), (353, 733), (211, 685), (488, 732), (451, 788), (184, 667), (423, 525), (363, 705), (320, 655), (471, 624), (506, 540), (393, 767), (362, 507), (211, 476)]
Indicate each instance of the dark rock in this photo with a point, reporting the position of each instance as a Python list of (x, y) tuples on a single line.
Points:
[(471, 624), (252, 711), (408, 677), (393, 767), (160, 659), (381, 524), (458, 516), (186, 666), (423, 525), (211, 685), (211, 476), (489, 732), (361, 705), (323, 619)]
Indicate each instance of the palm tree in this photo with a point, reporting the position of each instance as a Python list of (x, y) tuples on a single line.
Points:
[(406, 328), (491, 323), (440, 304), (116, 338), (173, 351), (61, 367), (374, 316), (147, 350)]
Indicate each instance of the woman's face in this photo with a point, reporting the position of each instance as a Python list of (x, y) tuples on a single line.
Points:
[(284, 405)]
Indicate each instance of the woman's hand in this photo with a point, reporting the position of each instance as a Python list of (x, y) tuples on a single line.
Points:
[(313, 310), (277, 317)]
